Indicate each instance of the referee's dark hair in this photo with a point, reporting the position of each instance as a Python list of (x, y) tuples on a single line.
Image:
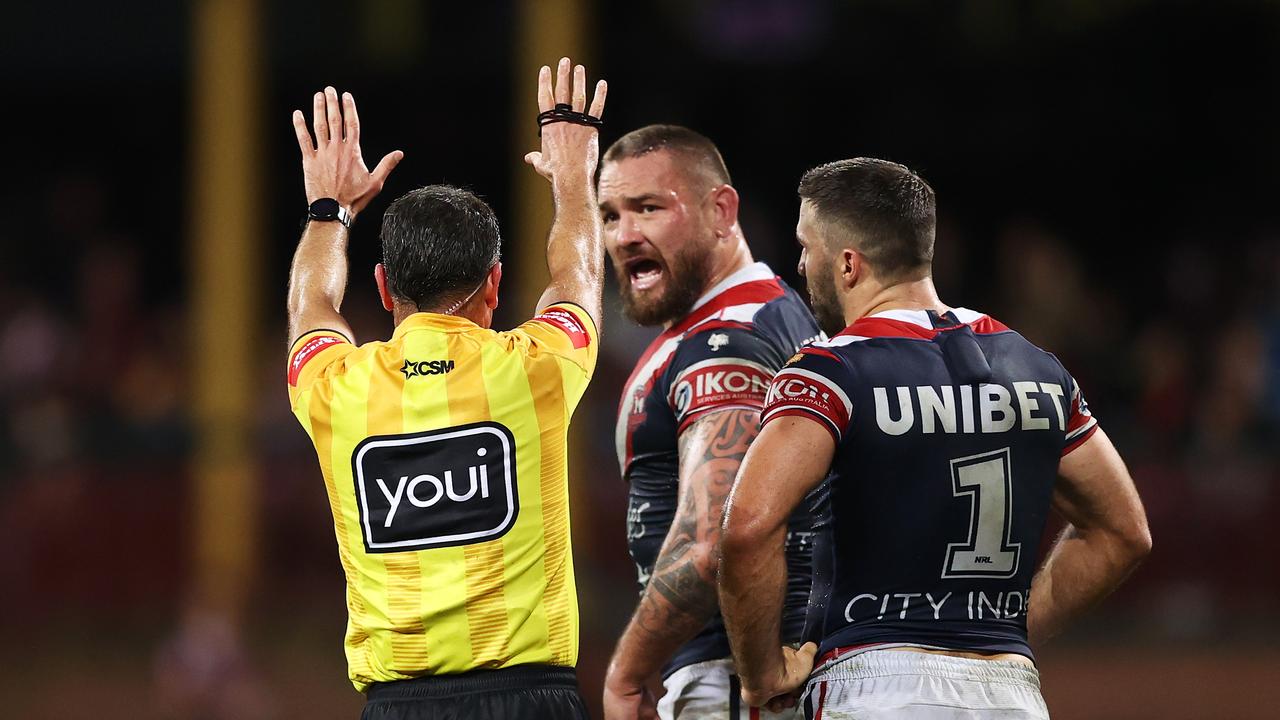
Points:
[(886, 212), (694, 147), (437, 244)]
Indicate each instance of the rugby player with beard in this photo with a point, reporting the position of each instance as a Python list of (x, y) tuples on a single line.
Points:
[(689, 411)]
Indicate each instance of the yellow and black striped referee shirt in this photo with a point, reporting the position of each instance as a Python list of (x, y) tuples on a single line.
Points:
[(444, 454)]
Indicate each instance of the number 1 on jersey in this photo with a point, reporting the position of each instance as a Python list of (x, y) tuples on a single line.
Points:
[(988, 552)]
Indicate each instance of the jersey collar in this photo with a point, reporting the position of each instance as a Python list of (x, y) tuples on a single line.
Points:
[(914, 317), (433, 321), (917, 324), (751, 273), (752, 285)]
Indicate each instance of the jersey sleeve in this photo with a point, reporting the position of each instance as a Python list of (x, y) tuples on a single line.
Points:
[(565, 331), (723, 368), (311, 355), (811, 385), (1080, 422)]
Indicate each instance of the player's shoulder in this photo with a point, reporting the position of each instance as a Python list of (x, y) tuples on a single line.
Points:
[(729, 339), (820, 358), (902, 332), (757, 317), (789, 317), (752, 295), (721, 366), (788, 301), (985, 325), (814, 382), (780, 321)]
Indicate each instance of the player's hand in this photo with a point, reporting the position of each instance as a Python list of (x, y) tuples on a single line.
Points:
[(569, 151), (332, 165), (628, 701), (781, 691)]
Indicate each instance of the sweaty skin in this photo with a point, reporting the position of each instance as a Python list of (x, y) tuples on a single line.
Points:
[(660, 216), (333, 167), (1107, 538)]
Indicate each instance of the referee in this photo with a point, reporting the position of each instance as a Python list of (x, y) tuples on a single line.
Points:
[(443, 449)]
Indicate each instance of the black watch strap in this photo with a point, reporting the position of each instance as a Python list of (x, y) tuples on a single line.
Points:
[(328, 210)]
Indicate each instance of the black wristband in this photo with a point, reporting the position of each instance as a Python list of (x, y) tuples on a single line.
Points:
[(564, 112)]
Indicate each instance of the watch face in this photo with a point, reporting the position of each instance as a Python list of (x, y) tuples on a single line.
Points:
[(324, 209)]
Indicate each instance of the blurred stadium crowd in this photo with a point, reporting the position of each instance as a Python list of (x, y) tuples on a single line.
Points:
[(1184, 371)]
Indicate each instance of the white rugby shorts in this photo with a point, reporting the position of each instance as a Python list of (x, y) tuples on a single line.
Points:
[(880, 684), (711, 690)]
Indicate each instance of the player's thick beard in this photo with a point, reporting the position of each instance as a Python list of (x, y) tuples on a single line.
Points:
[(826, 306), (687, 276)]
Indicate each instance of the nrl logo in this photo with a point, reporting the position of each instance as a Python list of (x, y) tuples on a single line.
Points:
[(717, 341)]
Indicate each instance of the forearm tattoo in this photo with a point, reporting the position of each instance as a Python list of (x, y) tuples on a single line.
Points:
[(681, 596)]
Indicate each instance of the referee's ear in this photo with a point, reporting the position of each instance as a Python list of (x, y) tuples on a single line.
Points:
[(380, 277), (491, 286)]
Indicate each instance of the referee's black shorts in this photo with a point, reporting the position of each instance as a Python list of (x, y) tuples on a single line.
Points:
[(524, 692)]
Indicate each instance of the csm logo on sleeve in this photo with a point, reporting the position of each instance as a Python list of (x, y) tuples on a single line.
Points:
[(436, 489)]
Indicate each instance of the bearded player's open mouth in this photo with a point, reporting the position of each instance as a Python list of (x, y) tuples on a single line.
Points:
[(644, 273)]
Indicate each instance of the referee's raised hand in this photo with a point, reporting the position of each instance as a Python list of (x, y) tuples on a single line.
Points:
[(332, 166), (569, 149)]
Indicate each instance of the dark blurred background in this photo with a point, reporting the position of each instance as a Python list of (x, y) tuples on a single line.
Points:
[(1106, 179)]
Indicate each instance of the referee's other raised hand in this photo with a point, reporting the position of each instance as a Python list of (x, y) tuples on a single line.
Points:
[(332, 166)]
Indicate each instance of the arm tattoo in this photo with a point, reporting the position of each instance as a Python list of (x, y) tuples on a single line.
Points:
[(686, 580)]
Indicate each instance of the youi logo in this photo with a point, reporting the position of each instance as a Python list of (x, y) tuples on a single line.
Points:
[(441, 488)]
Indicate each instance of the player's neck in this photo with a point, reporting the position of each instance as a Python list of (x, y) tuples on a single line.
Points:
[(732, 259), (736, 257), (911, 295), (401, 312), (473, 310)]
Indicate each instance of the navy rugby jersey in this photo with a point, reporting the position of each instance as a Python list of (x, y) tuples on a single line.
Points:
[(949, 430), (721, 356)]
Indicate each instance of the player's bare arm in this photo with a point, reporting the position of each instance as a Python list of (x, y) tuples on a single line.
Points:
[(332, 167), (568, 159), (1106, 540), (681, 595), (787, 460)]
